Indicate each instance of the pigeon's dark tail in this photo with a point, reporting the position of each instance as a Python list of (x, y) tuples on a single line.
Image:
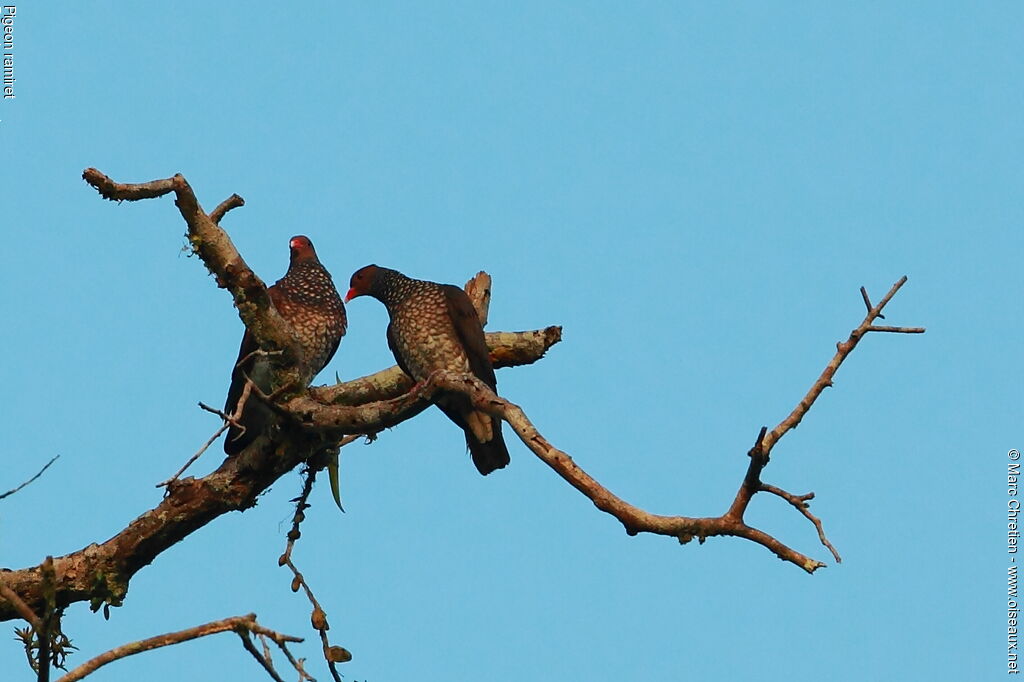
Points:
[(255, 415), (490, 455), (487, 456), (254, 423)]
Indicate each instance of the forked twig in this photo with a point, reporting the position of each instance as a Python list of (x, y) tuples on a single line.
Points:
[(801, 504), (230, 420), (242, 625), (636, 520)]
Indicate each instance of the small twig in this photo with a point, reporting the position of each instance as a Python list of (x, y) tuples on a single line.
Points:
[(229, 421), (266, 649), (45, 467), (233, 201), (224, 427), (256, 353), (801, 503), (247, 390), (281, 641), (896, 330), (239, 624), (271, 398), (262, 659), (352, 438), (318, 618), (265, 634), (867, 302), (214, 410)]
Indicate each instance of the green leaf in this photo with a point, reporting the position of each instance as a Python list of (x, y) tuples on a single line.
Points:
[(332, 472)]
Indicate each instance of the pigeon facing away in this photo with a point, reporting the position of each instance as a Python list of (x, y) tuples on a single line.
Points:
[(306, 298), (435, 326)]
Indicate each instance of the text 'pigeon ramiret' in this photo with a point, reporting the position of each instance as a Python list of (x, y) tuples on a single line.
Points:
[(434, 326), (306, 298)]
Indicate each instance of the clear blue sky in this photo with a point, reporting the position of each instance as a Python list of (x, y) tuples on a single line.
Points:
[(694, 190)]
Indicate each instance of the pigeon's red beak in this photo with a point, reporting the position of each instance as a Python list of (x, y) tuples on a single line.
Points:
[(350, 295)]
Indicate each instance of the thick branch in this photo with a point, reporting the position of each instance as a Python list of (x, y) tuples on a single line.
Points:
[(101, 573), (20, 606), (508, 349)]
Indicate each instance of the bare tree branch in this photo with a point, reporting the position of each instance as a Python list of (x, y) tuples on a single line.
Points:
[(233, 201), (38, 474), (311, 421), (217, 251), (636, 520), (100, 573), (843, 349), (243, 625)]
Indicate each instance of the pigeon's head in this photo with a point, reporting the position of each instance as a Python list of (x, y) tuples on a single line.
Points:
[(362, 282), (301, 249)]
